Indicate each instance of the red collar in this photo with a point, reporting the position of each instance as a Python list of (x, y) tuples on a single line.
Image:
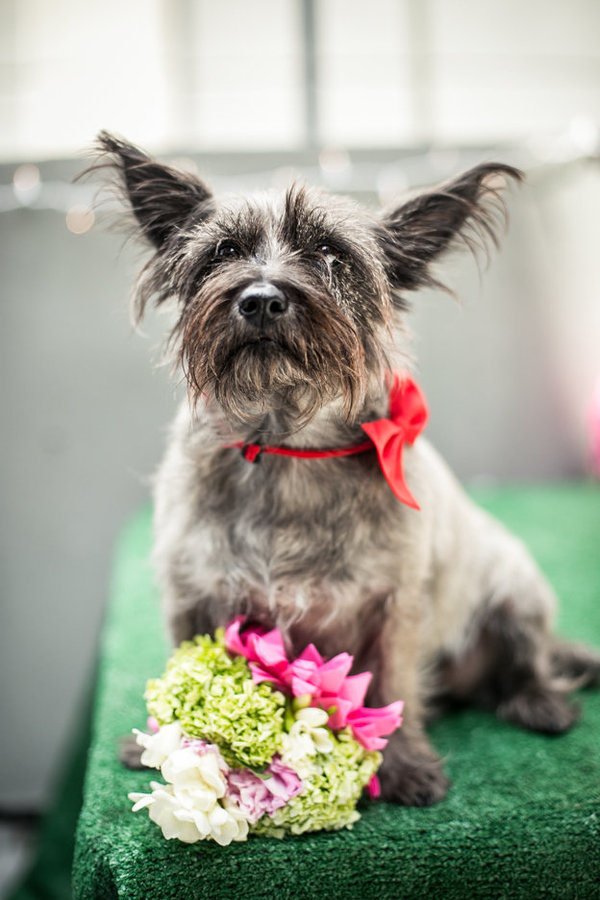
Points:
[(406, 420)]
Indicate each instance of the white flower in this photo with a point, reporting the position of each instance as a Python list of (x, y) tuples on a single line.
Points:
[(305, 739), (188, 806), (160, 745), (199, 776), (175, 811), (166, 810), (310, 721), (232, 827)]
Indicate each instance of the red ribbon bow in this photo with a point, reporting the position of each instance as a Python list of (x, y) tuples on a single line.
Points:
[(407, 419)]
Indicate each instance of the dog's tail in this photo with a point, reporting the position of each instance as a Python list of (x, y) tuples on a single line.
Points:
[(574, 665)]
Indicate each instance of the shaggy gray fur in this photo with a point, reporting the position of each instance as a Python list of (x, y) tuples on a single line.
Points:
[(440, 602)]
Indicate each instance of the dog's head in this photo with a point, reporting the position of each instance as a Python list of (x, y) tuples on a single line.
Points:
[(288, 300)]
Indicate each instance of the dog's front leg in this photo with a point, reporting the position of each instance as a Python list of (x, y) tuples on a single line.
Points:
[(411, 772), (190, 609)]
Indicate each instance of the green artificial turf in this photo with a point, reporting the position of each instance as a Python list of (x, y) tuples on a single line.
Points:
[(522, 818)]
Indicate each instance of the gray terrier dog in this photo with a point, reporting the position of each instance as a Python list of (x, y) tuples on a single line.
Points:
[(291, 316)]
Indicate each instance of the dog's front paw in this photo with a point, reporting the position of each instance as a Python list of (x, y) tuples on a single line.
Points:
[(130, 753), (418, 781)]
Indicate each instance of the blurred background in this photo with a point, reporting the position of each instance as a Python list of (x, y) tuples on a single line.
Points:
[(367, 98)]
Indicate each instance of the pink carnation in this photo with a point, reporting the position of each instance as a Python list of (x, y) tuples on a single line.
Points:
[(262, 796)]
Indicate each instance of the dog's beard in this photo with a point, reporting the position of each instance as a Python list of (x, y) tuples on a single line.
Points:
[(263, 377), (310, 358)]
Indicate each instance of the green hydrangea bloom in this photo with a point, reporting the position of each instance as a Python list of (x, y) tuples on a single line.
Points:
[(213, 697), (328, 799)]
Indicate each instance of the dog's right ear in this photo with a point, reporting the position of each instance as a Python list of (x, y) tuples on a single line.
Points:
[(162, 198)]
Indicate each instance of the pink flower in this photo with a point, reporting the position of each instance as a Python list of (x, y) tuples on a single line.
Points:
[(327, 682), (283, 781), (256, 796), (311, 674), (264, 651), (374, 787), (369, 724)]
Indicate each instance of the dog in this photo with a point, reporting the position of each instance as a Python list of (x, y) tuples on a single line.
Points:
[(291, 317)]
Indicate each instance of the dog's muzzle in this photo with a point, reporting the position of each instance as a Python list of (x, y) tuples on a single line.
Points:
[(261, 304)]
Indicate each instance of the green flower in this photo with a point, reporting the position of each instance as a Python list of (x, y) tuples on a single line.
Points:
[(329, 797), (213, 697)]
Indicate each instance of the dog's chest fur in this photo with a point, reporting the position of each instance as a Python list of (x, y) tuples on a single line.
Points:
[(278, 539)]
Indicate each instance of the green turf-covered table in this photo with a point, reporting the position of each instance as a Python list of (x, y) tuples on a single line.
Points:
[(522, 819)]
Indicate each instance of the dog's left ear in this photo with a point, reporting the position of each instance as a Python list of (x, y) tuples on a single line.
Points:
[(414, 234)]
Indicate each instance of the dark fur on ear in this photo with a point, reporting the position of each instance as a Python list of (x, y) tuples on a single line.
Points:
[(162, 198), (469, 207)]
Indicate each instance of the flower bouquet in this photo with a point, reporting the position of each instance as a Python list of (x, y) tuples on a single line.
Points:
[(248, 741)]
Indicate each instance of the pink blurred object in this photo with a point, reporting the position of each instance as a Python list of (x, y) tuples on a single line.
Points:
[(594, 430)]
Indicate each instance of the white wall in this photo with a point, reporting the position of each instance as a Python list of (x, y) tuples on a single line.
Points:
[(82, 424), (196, 74)]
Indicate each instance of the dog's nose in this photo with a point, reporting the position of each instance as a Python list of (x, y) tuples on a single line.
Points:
[(261, 303)]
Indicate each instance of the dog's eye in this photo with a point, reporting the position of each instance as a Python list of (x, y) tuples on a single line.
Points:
[(329, 254), (228, 250)]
